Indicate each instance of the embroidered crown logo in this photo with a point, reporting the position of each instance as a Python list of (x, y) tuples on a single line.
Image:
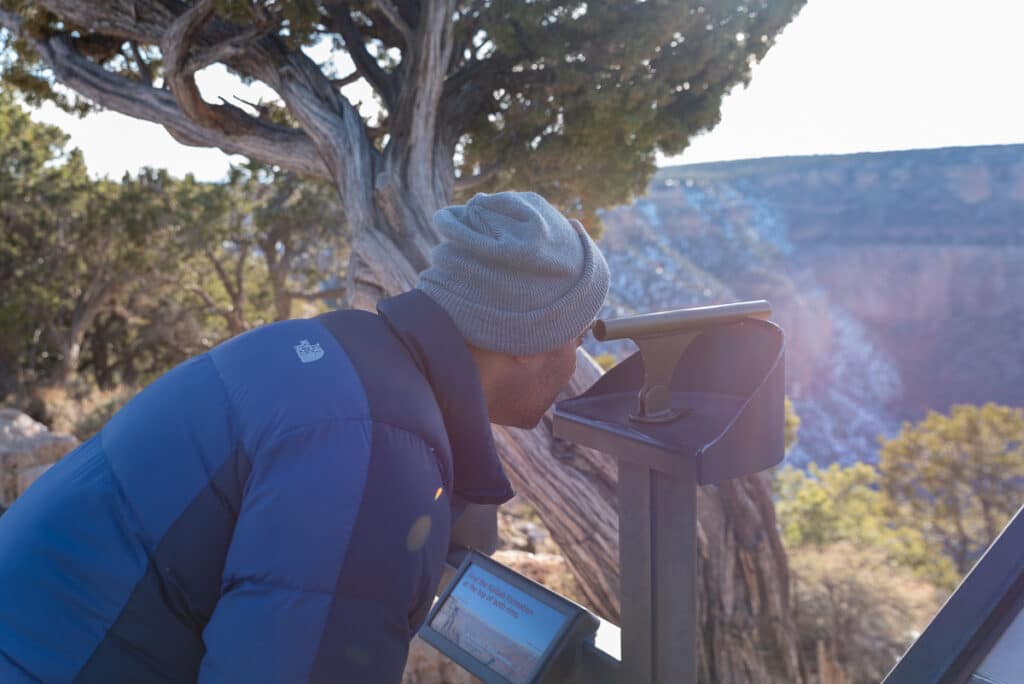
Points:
[(308, 353)]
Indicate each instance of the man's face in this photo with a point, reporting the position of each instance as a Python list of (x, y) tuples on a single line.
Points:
[(534, 383)]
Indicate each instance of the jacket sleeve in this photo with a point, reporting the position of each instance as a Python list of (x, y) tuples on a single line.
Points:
[(335, 558)]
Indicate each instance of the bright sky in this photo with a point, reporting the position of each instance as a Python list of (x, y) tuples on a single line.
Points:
[(844, 76)]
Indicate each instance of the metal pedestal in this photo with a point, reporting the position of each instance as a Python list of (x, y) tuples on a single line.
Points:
[(657, 561)]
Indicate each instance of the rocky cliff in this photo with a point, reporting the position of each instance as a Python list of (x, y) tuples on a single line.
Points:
[(898, 276)]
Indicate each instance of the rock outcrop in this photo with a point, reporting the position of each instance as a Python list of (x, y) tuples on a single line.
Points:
[(27, 450)]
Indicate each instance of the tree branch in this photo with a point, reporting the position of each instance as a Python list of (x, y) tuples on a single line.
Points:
[(210, 304), (393, 15), (339, 20), (225, 280), (11, 21), (332, 293), (142, 21), (240, 272), (334, 144), (263, 141), (234, 47), (413, 150), (145, 73), (179, 70), (465, 184), (346, 80)]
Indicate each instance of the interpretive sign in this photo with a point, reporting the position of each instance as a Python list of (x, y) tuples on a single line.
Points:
[(499, 625)]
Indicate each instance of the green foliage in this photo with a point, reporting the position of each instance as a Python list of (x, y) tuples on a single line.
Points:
[(592, 90), (792, 426), (824, 506), (124, 279), (43, 192), (956, 479), (265, 238), (943, 490)]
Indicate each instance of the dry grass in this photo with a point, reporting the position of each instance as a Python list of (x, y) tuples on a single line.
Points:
[(856, 610), (80, 413)]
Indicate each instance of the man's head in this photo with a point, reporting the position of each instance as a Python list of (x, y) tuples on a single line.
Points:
[(522, 284)]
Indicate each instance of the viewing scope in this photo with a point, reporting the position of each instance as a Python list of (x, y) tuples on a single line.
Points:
[(663, 337), (679, 320)]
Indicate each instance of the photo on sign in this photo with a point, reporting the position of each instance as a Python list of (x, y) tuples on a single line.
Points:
[(499, 625)]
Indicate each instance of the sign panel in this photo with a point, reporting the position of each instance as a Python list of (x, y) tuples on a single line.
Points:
[(1004, 664), (499, 625)]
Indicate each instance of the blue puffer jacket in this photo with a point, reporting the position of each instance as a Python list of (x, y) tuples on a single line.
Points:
[(275, 510)]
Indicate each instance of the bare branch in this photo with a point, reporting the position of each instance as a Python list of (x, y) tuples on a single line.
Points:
[(346, 80), (465, 184), (175, 46), (395, 17), (225, 280), (129, 316), (210, 304), (332, 293), (263, 141), (142, 21), (414, 127), (145, 73), (234, 47), (334, 143), (339, 19), (11, 21), (240, 270)]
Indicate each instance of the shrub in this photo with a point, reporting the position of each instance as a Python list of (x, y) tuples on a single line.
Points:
[(857, 608)]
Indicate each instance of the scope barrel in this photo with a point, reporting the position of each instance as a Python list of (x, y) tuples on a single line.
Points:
[(666, 322)]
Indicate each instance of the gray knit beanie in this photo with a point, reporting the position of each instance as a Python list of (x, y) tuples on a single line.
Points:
[(514, 274)]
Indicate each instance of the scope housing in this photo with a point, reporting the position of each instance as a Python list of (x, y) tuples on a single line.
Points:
[(678, 320)]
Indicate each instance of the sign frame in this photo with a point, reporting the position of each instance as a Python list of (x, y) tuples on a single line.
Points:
[(973, 618), (576, 617)]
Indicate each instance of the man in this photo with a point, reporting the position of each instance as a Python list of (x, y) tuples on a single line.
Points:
[(278, 509)]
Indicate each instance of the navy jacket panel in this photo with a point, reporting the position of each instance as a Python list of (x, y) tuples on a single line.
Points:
[(286, 553), (371, 622), (396, 391), (444, 360)]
